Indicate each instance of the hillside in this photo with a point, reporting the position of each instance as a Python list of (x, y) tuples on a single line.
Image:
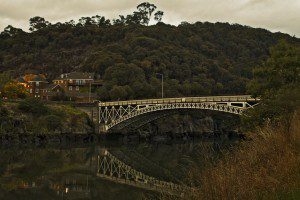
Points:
[(196, 59)]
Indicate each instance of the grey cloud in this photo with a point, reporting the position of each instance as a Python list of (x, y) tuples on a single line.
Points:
[(275, 15)]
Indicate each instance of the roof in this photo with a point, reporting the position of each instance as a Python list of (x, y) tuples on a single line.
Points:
[(75, 75), (38, 78), (21, 80), (52, 86)]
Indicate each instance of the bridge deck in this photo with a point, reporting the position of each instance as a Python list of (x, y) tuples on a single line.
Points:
[(238, 98)]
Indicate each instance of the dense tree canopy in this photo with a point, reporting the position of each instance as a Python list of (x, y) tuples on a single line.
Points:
[(195, 59), (277, 82)]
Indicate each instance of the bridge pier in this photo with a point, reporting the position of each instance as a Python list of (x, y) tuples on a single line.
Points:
[(102, 129)]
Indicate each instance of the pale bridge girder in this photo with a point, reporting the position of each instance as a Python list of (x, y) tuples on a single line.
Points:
[(121, 114)]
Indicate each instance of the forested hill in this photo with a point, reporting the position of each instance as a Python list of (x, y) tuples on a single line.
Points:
[(195, 59)]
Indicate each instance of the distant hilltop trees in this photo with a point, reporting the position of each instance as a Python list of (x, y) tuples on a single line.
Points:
[(144, 14)]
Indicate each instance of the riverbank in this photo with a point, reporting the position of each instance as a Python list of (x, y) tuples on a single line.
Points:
[(266, 167), (34, 117)]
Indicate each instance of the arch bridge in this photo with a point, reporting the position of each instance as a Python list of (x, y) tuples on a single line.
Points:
[(132, 114)]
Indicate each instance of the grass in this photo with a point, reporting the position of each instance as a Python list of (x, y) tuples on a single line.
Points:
[(265, 167)]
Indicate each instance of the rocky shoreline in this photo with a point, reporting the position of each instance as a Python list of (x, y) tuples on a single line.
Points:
[(64, 139)]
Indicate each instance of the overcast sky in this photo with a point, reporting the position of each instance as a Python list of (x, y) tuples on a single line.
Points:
[(274, 15)]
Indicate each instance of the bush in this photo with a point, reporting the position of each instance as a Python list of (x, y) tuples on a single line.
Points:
[(53, 122), (33, 106), (13, 90), (262, 168)]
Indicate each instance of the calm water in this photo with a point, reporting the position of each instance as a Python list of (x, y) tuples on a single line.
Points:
[(70, 172)]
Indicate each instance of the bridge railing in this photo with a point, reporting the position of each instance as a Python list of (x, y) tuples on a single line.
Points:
[(238, 98)]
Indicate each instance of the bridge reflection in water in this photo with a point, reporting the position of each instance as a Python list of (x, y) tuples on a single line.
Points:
[(111, 168), (118, 115)]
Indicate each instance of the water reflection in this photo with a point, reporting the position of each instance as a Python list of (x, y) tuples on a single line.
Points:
[(71, 172)]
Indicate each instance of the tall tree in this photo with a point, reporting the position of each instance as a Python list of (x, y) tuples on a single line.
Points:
[(12, 31), (146, 9), (87, 21), (158, 16), (120, 21), (37, 23), (135, 18), (101, 21)]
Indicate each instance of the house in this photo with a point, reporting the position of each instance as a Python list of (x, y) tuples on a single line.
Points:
[(74, 86), (78, 86), (35, 84)]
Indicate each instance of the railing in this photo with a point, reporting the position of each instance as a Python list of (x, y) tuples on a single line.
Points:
[(238, 98)]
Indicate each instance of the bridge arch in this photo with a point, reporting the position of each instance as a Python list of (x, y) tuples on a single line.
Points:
[(116, 115), (171, 107)]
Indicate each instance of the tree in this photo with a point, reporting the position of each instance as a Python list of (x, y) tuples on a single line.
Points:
[(103, 94), (120, 21), (33, 106), (12, 31), (87, 21), (146, 9), (135, 18), (53, 122), (158, 16), (276, 81), (119, 92), (280, 70), (14, 90), (101, 21), (37, 23), (5, 78)]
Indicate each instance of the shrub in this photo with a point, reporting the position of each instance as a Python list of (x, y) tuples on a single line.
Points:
[(53, 122), (262, 168), (13, 90), (33, 106)]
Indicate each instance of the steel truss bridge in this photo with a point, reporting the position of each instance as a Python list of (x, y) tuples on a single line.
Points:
[(120, 115), (111, 168)]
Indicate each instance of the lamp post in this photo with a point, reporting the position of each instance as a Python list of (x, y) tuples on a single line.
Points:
[(162, 84), (90, 90)]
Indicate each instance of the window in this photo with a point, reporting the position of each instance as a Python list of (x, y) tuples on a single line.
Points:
[(36, 90), (37, 83), (77, 88), (70, 88), (79, 82), (30, 91)]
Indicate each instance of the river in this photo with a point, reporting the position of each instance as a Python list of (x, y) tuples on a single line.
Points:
[(70, 171)]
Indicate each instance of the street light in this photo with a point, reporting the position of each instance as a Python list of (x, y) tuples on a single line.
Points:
[(90, 91), (162, 84)]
